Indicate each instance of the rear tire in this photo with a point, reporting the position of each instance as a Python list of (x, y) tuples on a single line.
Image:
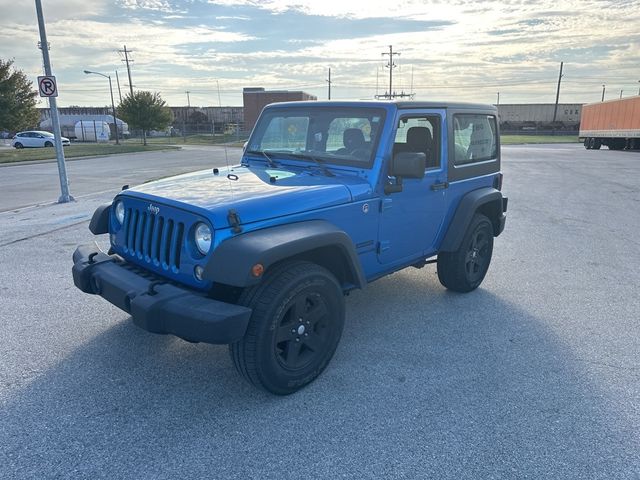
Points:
[(463, 270), (597, 143), (294, 330), (587, 143), (48, 144)]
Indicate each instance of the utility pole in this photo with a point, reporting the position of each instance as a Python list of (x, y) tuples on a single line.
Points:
[(620, 93), (555, 110), (411, 89), (498, 103), (329, 84), (390, 65), (118, 82), (55, 120), (126, 60), (188, 101), (603, 89)]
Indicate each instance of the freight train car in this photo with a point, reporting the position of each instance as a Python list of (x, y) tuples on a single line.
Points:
[(539, 116), (615, 123)]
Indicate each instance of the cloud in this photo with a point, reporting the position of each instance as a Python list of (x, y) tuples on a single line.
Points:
[(157, 5), (452, 49)]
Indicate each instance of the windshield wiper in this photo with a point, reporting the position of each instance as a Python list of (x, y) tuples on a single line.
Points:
[(270, 160), (318, 161)]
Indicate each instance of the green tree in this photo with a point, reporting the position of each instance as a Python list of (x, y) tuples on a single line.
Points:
[(17, 99), (145, 111)]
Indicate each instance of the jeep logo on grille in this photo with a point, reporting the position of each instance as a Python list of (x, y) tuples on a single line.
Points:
[(153, 210)]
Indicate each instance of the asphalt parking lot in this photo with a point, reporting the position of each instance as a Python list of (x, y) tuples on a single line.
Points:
[(534, 375)]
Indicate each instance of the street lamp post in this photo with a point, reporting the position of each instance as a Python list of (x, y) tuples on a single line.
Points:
[(603, 89), (113, 105)]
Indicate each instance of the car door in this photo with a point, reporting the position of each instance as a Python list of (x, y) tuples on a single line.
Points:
[(24, 139), (32, 139), (412, 218)]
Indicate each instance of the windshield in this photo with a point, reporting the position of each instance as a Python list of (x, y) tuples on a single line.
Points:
[(344, 136)]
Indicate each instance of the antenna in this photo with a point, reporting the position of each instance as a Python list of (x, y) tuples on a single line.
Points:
[(226, 153)]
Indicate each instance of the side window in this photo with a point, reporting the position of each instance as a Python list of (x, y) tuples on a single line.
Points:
[(419, 134), (475, 138)]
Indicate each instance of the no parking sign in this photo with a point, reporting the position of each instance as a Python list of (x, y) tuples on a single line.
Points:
[(47, 86)]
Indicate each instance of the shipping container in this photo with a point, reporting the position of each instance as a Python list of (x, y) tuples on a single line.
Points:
[(615, 123)]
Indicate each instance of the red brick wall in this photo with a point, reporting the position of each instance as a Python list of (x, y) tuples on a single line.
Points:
[(255, 101)]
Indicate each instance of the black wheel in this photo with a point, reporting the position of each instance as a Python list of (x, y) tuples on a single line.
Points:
[(18, 145), (597, 143), (295, 327), (587, 143), (48, 144), (592, 143), (464, 269)]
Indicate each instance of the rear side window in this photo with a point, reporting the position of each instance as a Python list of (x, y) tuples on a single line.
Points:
[(475, 138)]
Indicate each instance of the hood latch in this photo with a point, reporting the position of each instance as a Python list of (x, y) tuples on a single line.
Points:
[(234, 221)]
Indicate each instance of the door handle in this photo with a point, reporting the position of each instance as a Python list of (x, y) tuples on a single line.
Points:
[(440, 186)]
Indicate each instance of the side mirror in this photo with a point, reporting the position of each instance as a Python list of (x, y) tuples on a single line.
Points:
[(408, 165), (405, 165)]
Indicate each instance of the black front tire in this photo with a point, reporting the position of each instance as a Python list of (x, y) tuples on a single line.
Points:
[(18, 145), (294, 330), (464, 269), (587, 143)]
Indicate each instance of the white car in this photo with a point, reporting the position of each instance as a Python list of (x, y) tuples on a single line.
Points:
[(35, 138)]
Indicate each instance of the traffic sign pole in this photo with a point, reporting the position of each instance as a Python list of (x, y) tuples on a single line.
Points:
[(65, 196)]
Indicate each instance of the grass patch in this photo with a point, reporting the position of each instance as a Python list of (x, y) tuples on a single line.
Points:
[(521, 139), (11, 155), (200, 139)]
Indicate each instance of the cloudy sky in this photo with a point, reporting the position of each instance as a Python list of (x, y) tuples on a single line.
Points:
[(450, 49)]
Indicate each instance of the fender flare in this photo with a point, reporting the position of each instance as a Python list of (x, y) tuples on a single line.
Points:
[(100, 220), (232, 260), (467, 208)]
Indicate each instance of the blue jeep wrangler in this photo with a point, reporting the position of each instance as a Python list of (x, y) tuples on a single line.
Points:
[(328, 197)]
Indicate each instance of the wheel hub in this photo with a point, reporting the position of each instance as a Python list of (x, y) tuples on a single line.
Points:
[(301, 330)]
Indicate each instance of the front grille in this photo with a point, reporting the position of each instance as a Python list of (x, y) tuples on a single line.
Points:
[(153, 238)]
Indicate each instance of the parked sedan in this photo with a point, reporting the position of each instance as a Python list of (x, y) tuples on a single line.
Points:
[(35, 138)]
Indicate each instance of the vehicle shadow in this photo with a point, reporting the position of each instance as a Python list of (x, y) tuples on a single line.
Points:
[(425, 383)]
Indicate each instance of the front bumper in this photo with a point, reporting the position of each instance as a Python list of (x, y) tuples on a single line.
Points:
[(155, 304)]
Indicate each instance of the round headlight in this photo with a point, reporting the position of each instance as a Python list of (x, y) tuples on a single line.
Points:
[(120, 212), (202, 237)]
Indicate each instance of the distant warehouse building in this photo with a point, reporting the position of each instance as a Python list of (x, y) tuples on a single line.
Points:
[(256, 98), (539, 116)]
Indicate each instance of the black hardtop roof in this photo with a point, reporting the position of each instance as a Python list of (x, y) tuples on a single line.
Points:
[(387, 103)]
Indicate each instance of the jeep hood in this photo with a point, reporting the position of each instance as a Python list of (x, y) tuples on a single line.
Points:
[(255, 193)]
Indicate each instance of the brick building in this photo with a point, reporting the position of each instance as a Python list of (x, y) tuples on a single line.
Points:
[(255, 99)]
